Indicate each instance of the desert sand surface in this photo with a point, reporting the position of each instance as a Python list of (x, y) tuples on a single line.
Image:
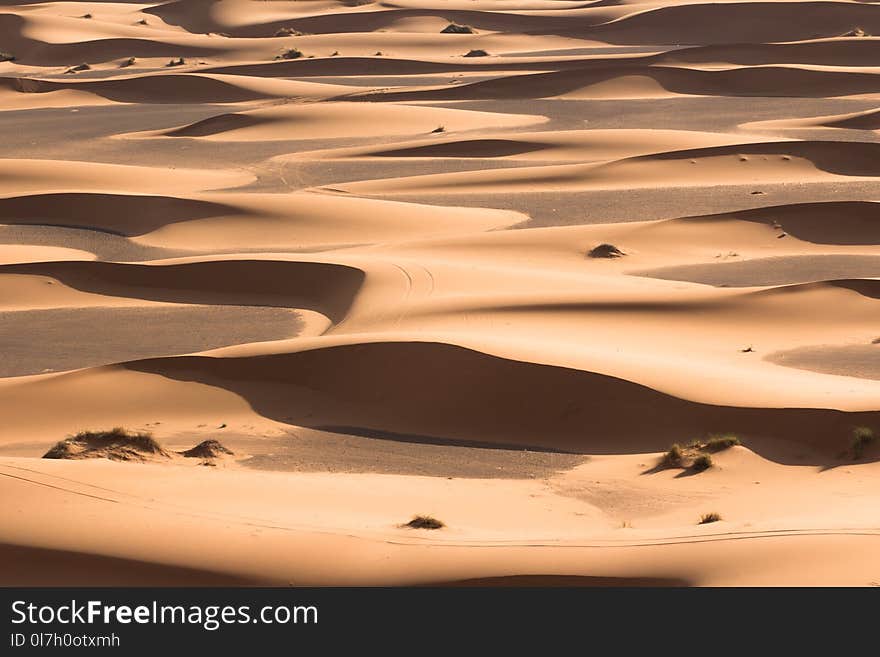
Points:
[(489, 273)]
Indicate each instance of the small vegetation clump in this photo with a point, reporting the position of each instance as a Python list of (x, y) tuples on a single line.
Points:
[(6, 56), (180, 61), (605, 251), (86, 16), (439, 128), (695, 455), (674, 456), (861, 438), (117, 444), (290, 53), (856, 32), (425, 522), (207, 449), (719, 443), (476, 53), (128, 62), (706, 518), (454, 28)]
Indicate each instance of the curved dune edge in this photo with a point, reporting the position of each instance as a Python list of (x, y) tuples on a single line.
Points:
[(242, 221), (553, 407), (773, 271), (573, 145), (868, 120), (369, 313), (19, 176), (178, 88), (121, 214), (753, 163), (548, 406), (849, 52), (339, 120), (631, 82), (326, 288), (830, 222)]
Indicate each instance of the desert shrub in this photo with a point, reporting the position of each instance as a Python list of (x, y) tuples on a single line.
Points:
[(605, 251), (718, 443), (180, 61), (6, 56), (861, 438), (117, 443), (207, 449), (701, 463), (476, 53), (425, 522), (454, 28), (674, 455), (290, 53), (706, 518)]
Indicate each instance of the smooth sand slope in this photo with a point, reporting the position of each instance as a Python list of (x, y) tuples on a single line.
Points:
[(488, 273)]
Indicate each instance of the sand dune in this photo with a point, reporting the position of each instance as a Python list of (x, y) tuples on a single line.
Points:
[(849, 52), (519, 539), (746, 163), (338, 120), (142, 213), (653, 82), (18, 176), (322, 287), (177, 88), (488, 273), (42, 42), (565, 145), (774, 271), (304, 221), (833, 222), (401, 401), (856, 121)]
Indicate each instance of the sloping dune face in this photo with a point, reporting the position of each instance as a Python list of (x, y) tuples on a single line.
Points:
[(484, 261)]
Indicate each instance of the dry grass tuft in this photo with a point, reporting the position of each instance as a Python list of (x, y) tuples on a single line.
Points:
[(117, 444), (425, 522)]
